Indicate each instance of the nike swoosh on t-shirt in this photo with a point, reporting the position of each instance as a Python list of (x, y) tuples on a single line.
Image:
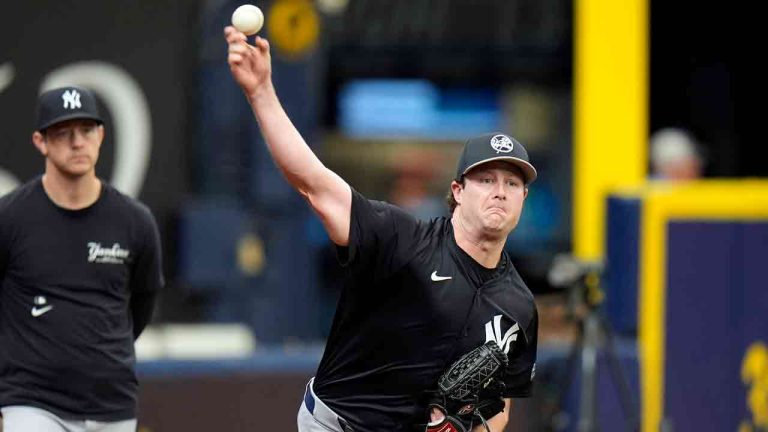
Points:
[(437, 278), (37, 312)]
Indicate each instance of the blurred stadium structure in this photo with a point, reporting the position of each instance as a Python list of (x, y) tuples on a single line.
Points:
[(372, 84)]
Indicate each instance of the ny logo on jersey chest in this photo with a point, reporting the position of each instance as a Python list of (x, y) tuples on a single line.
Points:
[(493, 333)]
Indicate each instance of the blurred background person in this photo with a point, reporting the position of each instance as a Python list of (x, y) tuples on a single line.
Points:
[(675, 155)]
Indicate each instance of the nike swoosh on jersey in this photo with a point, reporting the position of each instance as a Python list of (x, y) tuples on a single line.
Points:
[(437, 278), (37, 312)]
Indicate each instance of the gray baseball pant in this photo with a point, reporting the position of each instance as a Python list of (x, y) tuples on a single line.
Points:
[(18, 418), (315, 416)]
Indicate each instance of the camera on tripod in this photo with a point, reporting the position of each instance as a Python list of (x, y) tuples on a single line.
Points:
[(581, 278)]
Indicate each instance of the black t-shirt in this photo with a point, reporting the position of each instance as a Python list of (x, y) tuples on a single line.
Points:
[(68, 280), (412, 304)]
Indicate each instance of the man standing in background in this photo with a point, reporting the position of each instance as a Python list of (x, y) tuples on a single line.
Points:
[(80, 268)]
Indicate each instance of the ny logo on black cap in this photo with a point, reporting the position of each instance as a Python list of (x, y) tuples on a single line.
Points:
[(71, 99), (502, 144)]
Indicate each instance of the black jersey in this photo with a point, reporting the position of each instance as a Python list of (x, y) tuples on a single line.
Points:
[(413, 303), (69, 280)]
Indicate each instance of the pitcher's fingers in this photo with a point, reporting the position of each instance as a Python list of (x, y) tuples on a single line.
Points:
[(234, 58), (238, 48), (262, 44), (232, 35)]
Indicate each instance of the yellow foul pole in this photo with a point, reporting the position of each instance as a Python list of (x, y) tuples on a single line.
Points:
[(610, 111)]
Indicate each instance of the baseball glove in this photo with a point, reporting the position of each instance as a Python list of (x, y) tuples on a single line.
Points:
[(470, 391)]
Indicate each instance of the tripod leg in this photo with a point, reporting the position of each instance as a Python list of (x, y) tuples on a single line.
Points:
[(625, 394), (588, 402), (571, 366)]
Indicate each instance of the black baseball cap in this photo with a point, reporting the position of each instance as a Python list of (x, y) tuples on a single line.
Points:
[(66, 103), (492, 147)]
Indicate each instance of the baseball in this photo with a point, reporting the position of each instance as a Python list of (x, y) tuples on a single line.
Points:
[(248, 19)]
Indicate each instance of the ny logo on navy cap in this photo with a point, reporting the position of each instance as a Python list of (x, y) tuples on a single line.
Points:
[(491, 147), (66, 103), (71, 99)]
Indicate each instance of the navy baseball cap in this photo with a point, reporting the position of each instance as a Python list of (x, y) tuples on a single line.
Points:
[(66, 103), (492, 147)]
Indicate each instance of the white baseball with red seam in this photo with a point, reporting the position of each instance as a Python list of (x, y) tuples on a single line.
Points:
[(248, 19)]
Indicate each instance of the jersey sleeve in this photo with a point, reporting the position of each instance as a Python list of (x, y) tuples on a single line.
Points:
[(382, 237), (147, 276), (522, 363)]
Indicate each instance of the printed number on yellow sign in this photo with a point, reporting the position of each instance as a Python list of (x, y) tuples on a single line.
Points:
[(293, 26), (754, 374)]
